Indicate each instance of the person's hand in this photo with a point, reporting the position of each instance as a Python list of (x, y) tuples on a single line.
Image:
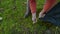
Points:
[(41, 14), (34, 18)]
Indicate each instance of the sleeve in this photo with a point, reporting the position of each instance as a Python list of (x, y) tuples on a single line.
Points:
[(48, 5), (32, 6)]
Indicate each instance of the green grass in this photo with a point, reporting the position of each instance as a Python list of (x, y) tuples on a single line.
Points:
[(13, 22)]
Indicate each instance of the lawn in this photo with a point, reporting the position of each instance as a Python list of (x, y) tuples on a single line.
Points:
[(14, 22)]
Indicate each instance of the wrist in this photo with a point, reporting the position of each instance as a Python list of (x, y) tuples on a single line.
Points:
[(33, 15), (43, 11), (34, 18)]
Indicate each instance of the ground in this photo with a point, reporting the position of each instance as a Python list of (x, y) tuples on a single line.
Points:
[(12, 12)]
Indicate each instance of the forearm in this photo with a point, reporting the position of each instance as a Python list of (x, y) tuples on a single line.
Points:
[(32, 6), (48, 5), (33, 9)]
